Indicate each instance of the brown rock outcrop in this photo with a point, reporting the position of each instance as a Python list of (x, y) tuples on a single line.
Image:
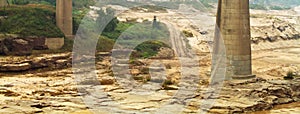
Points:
[(16, 46), (21, 46), (54, 62)]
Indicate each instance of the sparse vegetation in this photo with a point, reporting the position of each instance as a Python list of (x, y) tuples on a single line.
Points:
[(130, 34), (76, 3), (78, 16), (279, 8), (105, 44), (160, 6), (200, 5), (29, 21), (107, 16), (150, 8), (187, 33), (118, 31), (258, 7), (148, 49), (281, 3), (168, 82), (273, 4), (289, 76), (40, 21)]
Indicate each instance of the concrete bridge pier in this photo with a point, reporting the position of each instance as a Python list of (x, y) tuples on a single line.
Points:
[(64, 17), (233, 20)]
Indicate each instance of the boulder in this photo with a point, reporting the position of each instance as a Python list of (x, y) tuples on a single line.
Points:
[(21, 46), (107, 80), (135, 72), (16, 46)]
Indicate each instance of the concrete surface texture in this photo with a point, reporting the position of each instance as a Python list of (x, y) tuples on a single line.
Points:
[(64, 16), (233, 21), (54, 43)]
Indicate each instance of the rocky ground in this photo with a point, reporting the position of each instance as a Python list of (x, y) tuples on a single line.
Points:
[(46, 83), (55, 89)]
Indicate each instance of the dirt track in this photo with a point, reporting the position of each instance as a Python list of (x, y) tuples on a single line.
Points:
[(176, 38)]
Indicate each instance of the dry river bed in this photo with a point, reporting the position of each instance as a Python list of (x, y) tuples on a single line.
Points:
[(56, 91)]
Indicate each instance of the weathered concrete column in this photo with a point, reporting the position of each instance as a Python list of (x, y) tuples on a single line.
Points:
[(233, 20), (60, 14), (3, 3), (68, 21), (64, 16)]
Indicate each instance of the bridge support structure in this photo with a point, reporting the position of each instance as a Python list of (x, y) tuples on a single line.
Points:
[(233, 22), (64, 17)]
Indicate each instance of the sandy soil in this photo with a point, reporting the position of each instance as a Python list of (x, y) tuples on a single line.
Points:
[(56, 91)]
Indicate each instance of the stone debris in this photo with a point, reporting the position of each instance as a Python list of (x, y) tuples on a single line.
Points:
[(54, 61), (57, 91), (49, 85)]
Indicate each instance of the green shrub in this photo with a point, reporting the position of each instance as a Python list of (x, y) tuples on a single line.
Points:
[(78, 15), (148, 49), (29, 21), (289, 76), (188, 33), (105, 44)]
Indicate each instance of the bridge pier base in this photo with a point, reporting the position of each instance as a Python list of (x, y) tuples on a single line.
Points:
[(233, 20)]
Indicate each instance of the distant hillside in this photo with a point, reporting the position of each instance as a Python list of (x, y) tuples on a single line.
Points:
[(30, 20), (76, 3), (290, 3), (273, 4), (264, 4)]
